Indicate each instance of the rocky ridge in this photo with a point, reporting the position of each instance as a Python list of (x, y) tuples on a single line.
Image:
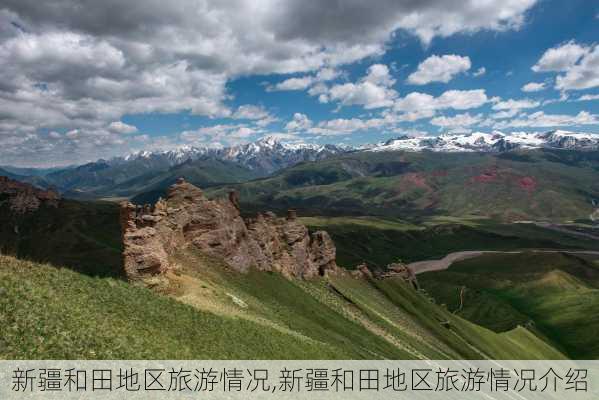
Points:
[(23, 197), (186, 218)]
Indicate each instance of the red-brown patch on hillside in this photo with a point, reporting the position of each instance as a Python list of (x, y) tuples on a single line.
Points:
[(415, 179), (490, 175), (528, 183), (439, 173)]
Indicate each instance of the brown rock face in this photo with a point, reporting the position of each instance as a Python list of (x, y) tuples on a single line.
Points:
[(23, 197), (152, 234)]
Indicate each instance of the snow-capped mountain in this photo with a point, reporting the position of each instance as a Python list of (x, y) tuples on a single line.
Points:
[(491, 142), (266, 155)]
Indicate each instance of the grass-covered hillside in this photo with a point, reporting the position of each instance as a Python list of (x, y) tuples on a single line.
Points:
[(85, 236), (555, 295), (543, 184), (209, 312)]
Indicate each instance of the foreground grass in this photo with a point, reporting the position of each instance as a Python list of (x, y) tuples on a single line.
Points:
[(53, 313)]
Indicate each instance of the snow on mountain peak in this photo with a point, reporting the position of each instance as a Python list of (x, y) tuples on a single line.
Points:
[(495, 141)]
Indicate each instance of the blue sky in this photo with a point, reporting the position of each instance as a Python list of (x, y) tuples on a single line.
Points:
[(81, 83)]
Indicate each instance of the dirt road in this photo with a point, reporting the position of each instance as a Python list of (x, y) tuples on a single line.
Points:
[(420, 267)]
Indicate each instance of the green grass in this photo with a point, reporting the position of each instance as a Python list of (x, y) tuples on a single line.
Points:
[(52, 313), (541, 185), (84, 236), (556, 295)]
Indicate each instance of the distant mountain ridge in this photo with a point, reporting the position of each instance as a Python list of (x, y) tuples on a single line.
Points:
[(491, 142), (264, 156)]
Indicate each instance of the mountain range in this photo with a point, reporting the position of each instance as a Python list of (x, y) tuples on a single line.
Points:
[(491, 142), (153, 171)]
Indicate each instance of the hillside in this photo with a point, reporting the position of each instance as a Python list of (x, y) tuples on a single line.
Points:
[(555, 295), (39, 225), (234, 316), (379, 241), (535, 184)]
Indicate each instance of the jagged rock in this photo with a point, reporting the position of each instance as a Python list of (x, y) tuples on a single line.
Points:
[(23, 197), (402, 271), (153, 234)]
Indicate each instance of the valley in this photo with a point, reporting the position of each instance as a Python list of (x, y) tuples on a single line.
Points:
[(383, 255)]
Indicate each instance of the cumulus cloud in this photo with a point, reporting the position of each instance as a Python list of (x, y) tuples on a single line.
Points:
[(250, 111), (220, 135), (300, 122), (344, 126), (534, 87), (371, 91), (459, 120), (83, 64), (306, 81), (541, 120), (560, 58), (579, 64), (512, 104), (121, 127), (422, 105), (439, 69)]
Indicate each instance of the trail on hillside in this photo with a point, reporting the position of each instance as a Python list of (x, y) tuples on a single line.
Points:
[(420, 267)]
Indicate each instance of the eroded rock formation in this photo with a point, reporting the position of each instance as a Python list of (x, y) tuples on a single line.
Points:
[(23, 197), (153, 234)]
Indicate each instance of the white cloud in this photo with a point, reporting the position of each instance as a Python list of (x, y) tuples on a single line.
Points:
[(480, 71), (459, 120), (300, 83), (540, 119), (534, 87), (219, 135), (560, 58), (343, 126), (512, 104), (304, 82), (418, 105), (439, 69), (372, 91), (579, 64), (82, 65), (300, 122), (250, 111), (584, 75), (588, 97), (121, 127)]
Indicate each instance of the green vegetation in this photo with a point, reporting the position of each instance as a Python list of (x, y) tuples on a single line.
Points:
[(55, 313), (52, 313), (84, 236), (539, 184), (379, 241), (555, 295)]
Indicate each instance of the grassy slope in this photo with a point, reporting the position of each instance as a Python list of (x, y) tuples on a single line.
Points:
[(556, 294), (48, 312), (539, 184), (56, 313)]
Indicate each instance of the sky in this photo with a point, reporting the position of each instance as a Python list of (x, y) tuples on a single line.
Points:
[(83, 79)]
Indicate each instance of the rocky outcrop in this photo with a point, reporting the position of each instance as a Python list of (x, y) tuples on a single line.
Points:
[(186, 218), (23, 197), (402, 271)]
